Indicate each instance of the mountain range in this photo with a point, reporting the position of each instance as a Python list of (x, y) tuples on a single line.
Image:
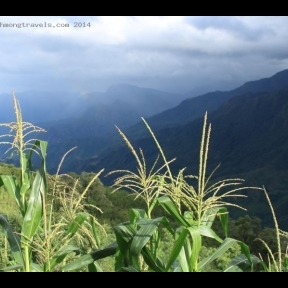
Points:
[(249, 134)]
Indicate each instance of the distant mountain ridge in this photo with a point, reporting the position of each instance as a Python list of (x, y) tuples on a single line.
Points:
[(261, 116), (193, 108), (187, 111), (67, 116), (122, 105)]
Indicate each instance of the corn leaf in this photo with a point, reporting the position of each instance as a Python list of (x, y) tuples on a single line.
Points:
[(13, 240), (178, 245), (142, 237), (226, 244), (61, 254), (34, 211), (196, 247), (136, 214), (94, 231), (242, 263), (77, 222), (208, 232), (11, 268), (94, 267), (42, 145), (223, 215), (209, 217), (157, 221), (26, 181), (183, 260), (91, 257), (154, 264), (12, 188), (124, 233), (34, 267), (171, 208), (130, 269)]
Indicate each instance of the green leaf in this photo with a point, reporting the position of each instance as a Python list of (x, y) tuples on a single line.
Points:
[(170, 207), (118, 260), (223, 215), (79, 263), (136, 214), (234, 269), (178, 245), (94, 230), (90, 258), (130, 269), (34, 211), (142, 237), (157, 221), (242, 263), (104, 252), (13, 240), (124, 233), (42, 145), (188, 215), (196, 247), (226, 244), (209, 217), (208, 232), (154, 264), (266, 269), (11, 268), (34, 267), (94, 267), (77, 222), (26, 181), (285, 264), (183, 260), (61, 254), (12, 188)]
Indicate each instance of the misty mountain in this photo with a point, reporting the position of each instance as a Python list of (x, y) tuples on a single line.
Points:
[(144, 101), (67, 116), (42, 106), (122, 105), (185, 112)]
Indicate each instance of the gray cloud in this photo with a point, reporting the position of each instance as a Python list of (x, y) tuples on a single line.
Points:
[(166, 53), (232, 25)]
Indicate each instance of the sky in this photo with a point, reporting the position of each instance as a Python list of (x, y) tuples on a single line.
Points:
[(174, 54)]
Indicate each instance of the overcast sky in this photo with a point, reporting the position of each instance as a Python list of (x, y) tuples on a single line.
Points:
[(168, 53)]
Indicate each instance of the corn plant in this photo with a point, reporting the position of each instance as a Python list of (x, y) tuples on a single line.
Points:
[(138, 240), (277, 263), (46, 237)]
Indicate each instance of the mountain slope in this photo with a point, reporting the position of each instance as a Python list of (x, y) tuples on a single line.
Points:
[(187, 111), (195, 107), (249, 138)]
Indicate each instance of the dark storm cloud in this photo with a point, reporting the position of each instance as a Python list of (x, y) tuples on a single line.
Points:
[(167, 53)]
